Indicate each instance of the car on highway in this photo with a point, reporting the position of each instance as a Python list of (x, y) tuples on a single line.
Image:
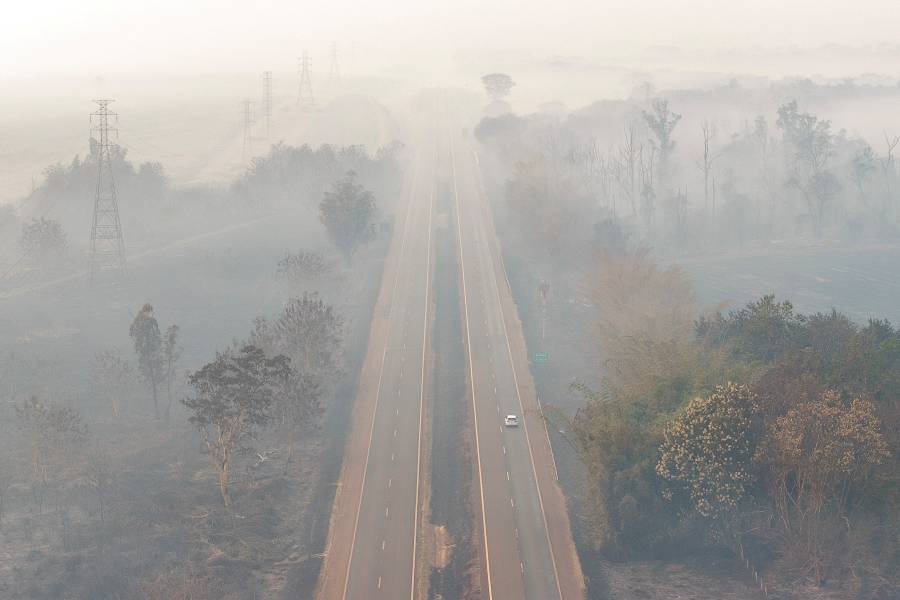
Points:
[(511, 421)]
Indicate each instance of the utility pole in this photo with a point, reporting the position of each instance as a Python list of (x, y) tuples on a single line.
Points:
[(305, 99), (334, 72), (248, 130), (267, 99), (107, 243)]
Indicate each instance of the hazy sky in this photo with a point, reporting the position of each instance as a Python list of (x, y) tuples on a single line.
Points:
[(43, 37)]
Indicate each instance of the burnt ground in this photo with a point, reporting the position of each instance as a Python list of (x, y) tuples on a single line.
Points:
[(164, 526)]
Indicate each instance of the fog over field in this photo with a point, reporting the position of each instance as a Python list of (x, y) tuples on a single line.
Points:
[(439, 300)]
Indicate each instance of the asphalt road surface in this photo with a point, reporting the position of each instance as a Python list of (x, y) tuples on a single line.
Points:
[(529, 548), (376, 518), (375, 543)]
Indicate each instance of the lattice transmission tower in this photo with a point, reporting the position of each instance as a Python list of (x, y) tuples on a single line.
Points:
[(249, 121), (267, 100), (305, 98), (334, 72), (107, 242)]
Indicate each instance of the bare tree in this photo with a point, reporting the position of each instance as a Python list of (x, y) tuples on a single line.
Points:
[(113, 378), (52, 434), (171, 352), (705, 164), (662, 122), (888, 170), (862, 165), (628, 159), (648, 193), (99, 476)]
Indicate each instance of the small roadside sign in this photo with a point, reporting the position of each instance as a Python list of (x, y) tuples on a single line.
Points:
[(541, 358)]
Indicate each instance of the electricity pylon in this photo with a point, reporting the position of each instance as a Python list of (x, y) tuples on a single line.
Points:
[(107, 242), (334, 72), (305, 98), (248, 130), (267, 100)]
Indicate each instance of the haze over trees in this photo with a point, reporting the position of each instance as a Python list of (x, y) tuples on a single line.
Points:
[(348, 212), (43, 241), (760, 432), (686, 184), (233, 397)]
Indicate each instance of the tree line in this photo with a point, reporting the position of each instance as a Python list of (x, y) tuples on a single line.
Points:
[(760, 429), (785, 174)]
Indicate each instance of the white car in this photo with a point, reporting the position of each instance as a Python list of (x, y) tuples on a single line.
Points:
[(511, 421)]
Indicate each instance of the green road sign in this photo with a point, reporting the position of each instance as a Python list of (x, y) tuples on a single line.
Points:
[(541, 358)]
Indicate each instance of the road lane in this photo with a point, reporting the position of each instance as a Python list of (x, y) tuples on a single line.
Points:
[(521, 555), (374, 525)]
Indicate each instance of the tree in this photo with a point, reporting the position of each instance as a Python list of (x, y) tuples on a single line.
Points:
[(171, 352), (299, 406), (308, 331), (52, 435), (497, 85), (145, 334), (112, 378), (233, 399), (762, 330), (43, 241), (708, 450), (662, 122), (706, 165), (810, 144), (816, 457), (888, 170), (628, 158), (348, 211), (99, 478), (303, 267), (862, 165)]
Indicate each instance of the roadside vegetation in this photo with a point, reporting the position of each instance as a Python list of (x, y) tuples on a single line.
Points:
[(144, 455), (758, 433)]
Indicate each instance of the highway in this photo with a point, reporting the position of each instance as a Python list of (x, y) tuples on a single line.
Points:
[(376, 547)]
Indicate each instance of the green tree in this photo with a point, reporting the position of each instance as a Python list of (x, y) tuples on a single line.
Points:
[(233, 398), (348, 211), (147, 340)]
